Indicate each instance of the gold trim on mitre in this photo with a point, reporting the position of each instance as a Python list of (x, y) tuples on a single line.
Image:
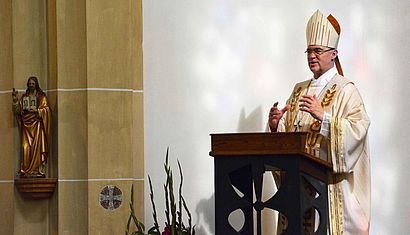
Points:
[(322, 31)]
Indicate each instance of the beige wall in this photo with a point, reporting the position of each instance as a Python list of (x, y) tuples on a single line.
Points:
[(72, 122), (29, 41), (88, 57), (7, 155)]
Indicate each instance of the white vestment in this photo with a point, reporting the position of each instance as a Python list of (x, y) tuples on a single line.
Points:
[(342, 140)]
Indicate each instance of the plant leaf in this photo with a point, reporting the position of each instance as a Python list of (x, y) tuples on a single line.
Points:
[(181, 224), (154, 211)]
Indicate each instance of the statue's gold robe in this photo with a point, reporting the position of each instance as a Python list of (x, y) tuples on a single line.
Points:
[(35, 133)]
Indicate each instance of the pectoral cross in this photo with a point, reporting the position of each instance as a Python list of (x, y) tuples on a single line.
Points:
[(297, 124)]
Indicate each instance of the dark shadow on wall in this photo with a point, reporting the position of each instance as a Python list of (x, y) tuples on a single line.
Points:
[(205, 213), (252, 122)]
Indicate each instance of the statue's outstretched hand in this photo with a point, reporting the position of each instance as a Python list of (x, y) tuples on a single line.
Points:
[(14, 95)]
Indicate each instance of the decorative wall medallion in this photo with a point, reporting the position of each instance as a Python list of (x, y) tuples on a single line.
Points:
[(110, 197)]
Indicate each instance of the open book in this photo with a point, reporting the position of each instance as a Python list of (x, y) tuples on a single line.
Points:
[(29, 103)]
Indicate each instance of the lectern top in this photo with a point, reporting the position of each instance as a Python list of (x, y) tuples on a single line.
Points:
[(262, 143)]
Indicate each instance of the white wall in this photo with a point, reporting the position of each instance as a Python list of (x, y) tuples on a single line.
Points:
[(217, 66)]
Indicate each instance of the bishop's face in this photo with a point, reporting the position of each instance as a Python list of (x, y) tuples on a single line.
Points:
[(320, 59), (31, 85)]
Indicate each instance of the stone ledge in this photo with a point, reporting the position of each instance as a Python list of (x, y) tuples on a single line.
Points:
[(36, 188)]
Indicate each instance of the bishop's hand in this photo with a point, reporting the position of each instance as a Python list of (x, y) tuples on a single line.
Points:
[(275, 115), (312, 105)]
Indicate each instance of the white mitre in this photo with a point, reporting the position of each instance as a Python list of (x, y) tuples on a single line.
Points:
[(321, 31)]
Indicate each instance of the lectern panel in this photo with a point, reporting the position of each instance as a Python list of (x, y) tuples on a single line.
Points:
[(301, 198)]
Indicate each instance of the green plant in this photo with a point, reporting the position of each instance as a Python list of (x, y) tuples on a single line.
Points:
[(174, 224)]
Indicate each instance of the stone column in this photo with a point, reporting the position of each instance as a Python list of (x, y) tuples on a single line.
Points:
[(29, 56), (88, 58), (7, 123), (100, 112)]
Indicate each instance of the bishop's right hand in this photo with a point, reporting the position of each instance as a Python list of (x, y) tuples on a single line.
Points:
[(275, 115)]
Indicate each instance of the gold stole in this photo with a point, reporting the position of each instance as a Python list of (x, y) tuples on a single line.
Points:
[(314, 138)]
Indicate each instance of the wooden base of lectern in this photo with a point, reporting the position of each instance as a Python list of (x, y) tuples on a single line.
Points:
[(240, 163)]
